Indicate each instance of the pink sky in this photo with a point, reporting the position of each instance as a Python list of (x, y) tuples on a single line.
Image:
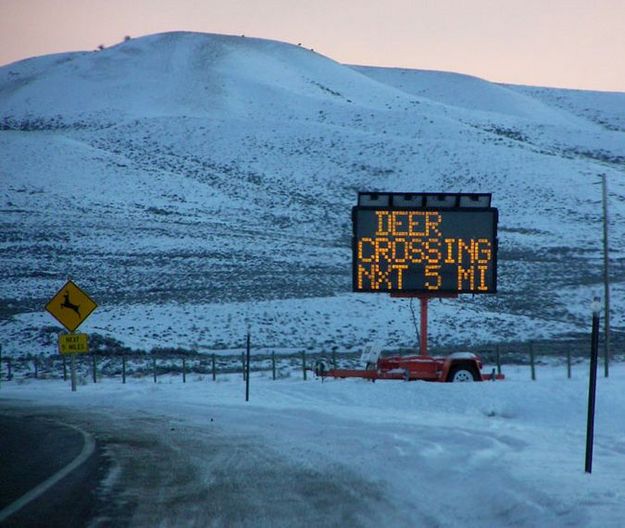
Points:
[(562, 43)]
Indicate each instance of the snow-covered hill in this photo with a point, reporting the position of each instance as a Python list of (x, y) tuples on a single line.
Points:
[(195, 183)]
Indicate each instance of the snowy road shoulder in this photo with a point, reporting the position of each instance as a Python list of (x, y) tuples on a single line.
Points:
[(355, 453)]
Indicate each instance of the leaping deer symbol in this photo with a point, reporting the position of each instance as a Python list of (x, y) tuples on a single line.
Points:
[(68, 304)]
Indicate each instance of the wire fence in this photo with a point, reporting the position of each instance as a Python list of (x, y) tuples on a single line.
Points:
[(96, 366), (210, 366)]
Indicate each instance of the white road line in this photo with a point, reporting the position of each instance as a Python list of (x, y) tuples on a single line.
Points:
[(87, 450)]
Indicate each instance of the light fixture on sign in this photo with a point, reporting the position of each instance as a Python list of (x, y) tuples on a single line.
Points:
[(373, 199), (475, 200), (441, 201), (398, 200), (408, 200)]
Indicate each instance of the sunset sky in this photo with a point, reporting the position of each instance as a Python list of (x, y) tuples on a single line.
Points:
[(560, 43)]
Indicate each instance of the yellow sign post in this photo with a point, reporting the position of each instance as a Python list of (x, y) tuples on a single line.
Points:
[(71, 306), (73, 343)]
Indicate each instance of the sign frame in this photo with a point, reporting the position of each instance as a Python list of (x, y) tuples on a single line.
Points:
[(421, 208)]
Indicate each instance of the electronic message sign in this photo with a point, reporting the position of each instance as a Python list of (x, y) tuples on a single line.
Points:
[(425, 250)]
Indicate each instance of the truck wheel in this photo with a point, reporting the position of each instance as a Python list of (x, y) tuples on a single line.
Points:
[(461, 374)]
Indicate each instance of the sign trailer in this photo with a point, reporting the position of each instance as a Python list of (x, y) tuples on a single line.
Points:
[(424, 245)]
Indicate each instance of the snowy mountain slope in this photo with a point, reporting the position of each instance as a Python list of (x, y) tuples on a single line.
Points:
[(179, 172), (466, 91), (606, 109), (183, 74)]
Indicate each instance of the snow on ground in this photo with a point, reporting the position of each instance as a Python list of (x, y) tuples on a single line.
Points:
[(354, 453)]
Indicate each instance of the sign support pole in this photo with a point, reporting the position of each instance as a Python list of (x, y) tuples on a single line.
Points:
[(424, 325), (73, 370), (424, 298)]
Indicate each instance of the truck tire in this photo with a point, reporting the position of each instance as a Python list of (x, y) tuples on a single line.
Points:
[(461, 374)]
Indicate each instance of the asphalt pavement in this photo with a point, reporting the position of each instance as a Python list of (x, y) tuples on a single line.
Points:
[(48, 471)]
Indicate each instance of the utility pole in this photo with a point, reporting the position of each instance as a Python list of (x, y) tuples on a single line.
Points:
[(606, 279)]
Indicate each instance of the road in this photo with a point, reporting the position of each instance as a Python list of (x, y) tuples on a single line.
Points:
[(150, 470), (45, 470)]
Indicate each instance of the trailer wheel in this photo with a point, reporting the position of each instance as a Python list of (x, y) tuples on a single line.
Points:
[(320, 368), (461, 374)]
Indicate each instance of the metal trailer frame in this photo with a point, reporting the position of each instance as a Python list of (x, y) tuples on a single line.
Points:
[(421, 366)]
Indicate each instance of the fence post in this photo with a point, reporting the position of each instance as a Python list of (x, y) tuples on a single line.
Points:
[(184, 370), (94, 367), (531, 345), (334, 359), (214, 369), (247, 372), (498, 359), (568, 362), (9, 371), (154, 368), (64, 367), (304, 364), (123, 369), (273, 364)]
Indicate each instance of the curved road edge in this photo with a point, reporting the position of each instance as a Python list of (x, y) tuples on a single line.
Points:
[(87, 451)]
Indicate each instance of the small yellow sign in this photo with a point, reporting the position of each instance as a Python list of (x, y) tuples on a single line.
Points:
[(73, 343), (71, 306)]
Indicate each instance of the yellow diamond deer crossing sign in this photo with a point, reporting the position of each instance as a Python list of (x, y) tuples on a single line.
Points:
[(71, 306)]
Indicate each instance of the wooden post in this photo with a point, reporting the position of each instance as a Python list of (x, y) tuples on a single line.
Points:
[(532, 361), (273, 364), (123, 369), (606, 280), (568, 362), (247, 373), (304, 364), (36, 365), (184, 370), (154, 368), (9, 370), (64, 367), (334, 358), (94, 367), (214, 368)]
